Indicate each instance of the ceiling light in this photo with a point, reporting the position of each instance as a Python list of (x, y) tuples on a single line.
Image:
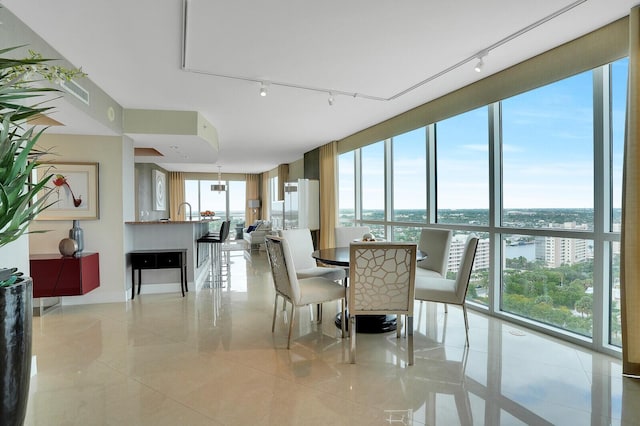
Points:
[(331, 99), (479, 65), (263, 89)]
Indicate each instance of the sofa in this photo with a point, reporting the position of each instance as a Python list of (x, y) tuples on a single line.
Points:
[(255, 234)]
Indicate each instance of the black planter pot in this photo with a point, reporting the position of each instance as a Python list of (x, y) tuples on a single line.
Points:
[(16, 312)]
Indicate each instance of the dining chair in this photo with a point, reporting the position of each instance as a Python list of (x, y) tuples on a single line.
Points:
[(305, 266), (435, 242), (299, 292), (344, 235), (382, 281), (453, 291)]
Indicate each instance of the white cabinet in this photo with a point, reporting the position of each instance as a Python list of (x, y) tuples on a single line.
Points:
[(302, 204)]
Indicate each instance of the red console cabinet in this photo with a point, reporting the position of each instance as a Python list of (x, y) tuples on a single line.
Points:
[(55, 275)]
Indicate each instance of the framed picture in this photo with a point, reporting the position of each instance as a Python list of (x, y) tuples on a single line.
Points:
[(159, 182), (75, 191)]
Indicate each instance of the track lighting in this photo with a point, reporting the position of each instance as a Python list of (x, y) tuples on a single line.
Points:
[(263, 89), (331, 99), (480, 65)]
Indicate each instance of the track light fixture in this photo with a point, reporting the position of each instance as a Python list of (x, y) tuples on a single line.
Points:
[(331, 98), (480, 65), (263, 89)]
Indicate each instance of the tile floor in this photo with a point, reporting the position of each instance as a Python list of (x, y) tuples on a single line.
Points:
[(210, 359)]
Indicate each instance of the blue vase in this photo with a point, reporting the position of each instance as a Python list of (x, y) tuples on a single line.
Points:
[(76, 233)]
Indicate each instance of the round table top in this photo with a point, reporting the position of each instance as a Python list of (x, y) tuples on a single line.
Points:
[(339, 256)]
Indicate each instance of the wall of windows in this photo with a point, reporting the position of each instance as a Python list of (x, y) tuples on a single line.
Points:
[(462, 168), (228, 205), (537, 177)]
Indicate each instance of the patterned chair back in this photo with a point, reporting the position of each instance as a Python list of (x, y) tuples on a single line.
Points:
[(382, 278), (282, 270)]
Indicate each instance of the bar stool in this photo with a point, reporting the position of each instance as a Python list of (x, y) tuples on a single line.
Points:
[(215, 243)]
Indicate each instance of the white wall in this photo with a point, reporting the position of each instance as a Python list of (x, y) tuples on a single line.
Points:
[(16, 254), (105, 235)]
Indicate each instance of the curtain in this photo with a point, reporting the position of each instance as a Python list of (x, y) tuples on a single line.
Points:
[(253, 193), (630, 237), (328, 185), (176, 195), (266, 196), (283, 175)]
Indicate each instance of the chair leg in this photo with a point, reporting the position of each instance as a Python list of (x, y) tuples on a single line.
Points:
[(319, 312), (352, 337), (410, 338), (293, 316), (466, 322), (446, 309), (275, 308)]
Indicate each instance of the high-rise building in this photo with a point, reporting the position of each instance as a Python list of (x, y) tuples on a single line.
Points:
[(554, 251), (457, 249)]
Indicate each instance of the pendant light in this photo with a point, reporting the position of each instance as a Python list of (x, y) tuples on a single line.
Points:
[(219, 186)]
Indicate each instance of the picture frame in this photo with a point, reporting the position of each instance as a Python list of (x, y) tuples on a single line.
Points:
[(75, 190), (159, 182)]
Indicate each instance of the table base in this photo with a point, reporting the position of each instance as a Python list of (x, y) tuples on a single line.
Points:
[(370, 324)]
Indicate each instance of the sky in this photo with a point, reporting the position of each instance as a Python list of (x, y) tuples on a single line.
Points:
[(547, 148)]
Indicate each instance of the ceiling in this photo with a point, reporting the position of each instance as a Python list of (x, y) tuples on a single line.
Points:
[(378, 58)]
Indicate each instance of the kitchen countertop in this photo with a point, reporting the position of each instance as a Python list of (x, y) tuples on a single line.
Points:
[(170, 222)]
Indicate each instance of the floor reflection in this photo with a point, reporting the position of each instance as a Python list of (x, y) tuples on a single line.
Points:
[(210, 358)]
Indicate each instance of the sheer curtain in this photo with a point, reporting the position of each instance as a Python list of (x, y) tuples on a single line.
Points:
[(253, 193), (630, 238), (176, 195), (328, 204)]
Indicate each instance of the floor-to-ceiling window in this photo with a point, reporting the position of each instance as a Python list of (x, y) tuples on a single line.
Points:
[(228, 205), (548, 182), (409, 188), (346, 189), (373, 178), (237, 203), (462, 168), (537, 177)]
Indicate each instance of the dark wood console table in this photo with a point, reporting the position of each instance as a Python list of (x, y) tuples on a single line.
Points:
[(158, 259)]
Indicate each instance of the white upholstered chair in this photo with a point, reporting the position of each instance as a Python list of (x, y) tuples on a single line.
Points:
[(306, 266), (346, 234), (443, 290), (382, 281), (299, 292), (435, 242)]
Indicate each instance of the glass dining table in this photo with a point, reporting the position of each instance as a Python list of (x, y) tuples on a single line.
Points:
[(339, 256)]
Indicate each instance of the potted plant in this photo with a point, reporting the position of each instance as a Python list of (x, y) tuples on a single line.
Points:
[(18, 158)]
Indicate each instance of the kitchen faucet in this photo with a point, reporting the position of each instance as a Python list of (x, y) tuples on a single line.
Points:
[(182, 204)]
